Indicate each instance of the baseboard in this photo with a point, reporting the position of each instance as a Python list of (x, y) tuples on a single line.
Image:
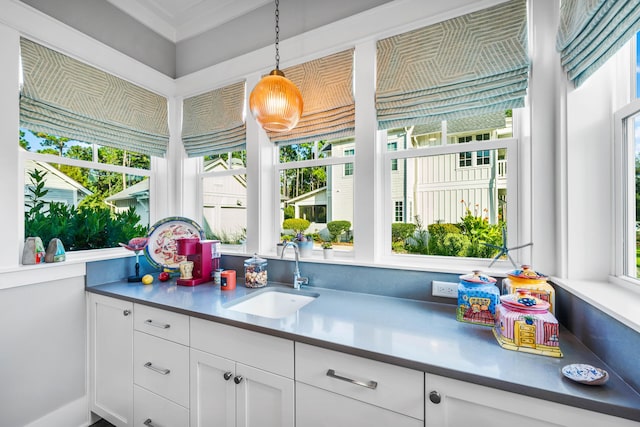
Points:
[(75, 413)]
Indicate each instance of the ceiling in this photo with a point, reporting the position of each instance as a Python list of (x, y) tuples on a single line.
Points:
[(177, 20)]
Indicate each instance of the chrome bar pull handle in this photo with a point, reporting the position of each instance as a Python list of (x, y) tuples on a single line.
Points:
[(369, 384), (162, 371), (157, 325), (148, 422)]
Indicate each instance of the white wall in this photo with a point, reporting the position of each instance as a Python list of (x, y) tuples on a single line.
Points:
[(43, 356)]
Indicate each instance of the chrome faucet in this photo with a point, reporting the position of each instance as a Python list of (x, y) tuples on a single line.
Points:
[(297, 279)]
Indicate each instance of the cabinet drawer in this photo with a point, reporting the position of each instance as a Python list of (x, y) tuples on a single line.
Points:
[(160, 411), (320, 408), (161, 323), (396, 388), (162, 367), (262, 351)]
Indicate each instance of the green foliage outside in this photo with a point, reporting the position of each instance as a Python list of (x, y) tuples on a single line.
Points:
[(337, 228), (298, 225), (78, 228), (464, 239), (289, 212)]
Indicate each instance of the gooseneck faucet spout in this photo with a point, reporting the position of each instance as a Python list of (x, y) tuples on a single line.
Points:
[(297, 279)]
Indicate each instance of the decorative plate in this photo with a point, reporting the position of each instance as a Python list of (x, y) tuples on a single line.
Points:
[(161, 250), (585, 374)]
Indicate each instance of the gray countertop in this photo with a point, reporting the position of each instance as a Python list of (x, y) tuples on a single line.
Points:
[(414, 334)]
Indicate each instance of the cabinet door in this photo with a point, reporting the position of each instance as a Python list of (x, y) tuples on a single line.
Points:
[(111, 363), (321, 408), (263, 399), (212, 390), (462, 404)]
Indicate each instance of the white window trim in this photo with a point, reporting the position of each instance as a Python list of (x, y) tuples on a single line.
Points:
[(463, 263)]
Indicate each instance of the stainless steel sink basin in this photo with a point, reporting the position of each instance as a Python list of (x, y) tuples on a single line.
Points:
[(273, 303)]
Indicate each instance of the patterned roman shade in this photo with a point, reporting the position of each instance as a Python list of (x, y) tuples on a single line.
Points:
[(65, 97), (326, 85), (591, 31), (467, 66), (213, 122)]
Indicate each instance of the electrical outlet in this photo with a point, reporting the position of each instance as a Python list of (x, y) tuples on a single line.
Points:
[(444, 289)]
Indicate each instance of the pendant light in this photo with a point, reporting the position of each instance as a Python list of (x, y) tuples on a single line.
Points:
[(275, 101)]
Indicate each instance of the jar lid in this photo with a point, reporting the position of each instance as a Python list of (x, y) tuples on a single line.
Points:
[(527, 273), (478, 278), (255, 259), (524, 301)]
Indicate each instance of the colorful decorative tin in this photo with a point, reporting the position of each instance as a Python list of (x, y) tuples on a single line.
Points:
[(524, 323), (478, 297), (533, 281)]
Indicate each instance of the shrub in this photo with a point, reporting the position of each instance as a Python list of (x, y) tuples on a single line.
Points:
[(438, 233), (337, 228), (401, 231), (289, 212), (298, 225), (418, 243)]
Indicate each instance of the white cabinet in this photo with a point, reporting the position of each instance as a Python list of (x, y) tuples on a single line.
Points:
[(111, 359), (334, 388), (453, 403), (160, 367), (240, 378)]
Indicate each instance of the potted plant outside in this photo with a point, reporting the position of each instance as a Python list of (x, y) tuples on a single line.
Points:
[(327, 250), (299, 226)]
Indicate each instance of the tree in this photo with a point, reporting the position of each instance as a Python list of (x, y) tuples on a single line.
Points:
[(57, 143), (23, 142)]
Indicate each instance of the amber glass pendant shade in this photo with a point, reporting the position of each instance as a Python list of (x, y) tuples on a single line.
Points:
[(276, 102)]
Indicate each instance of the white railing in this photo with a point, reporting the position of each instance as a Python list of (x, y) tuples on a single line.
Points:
[(502, 168)]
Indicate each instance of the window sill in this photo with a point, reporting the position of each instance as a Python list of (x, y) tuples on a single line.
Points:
[(616, 298), (74, 266)]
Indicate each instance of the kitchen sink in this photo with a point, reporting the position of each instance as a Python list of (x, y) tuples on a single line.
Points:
[(273, 303)]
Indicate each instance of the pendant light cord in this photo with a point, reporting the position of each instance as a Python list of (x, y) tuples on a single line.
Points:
[(277, 35)]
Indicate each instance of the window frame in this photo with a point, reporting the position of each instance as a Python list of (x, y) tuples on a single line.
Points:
[(513, 185), (624, 193)]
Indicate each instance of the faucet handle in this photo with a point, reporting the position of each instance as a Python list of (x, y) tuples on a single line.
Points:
[(302, 280)]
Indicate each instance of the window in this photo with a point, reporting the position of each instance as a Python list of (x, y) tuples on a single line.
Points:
[(314, 186), (70, 185), (87, 150), (627, 122), (314, 213), (483, 157), (393, 146), (348, 167), (224, 199), (465, 158), (398, 211), (455, 212)]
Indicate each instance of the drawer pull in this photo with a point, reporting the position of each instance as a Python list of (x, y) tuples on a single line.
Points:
[(157, 325), (227, 376), (126, 312), (148, 422), (237, 379), (158, 370), (370, 384)]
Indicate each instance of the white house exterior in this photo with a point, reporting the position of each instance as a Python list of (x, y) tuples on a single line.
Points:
[(224, 201), (60, 187), (436, 188), (136, 196)]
